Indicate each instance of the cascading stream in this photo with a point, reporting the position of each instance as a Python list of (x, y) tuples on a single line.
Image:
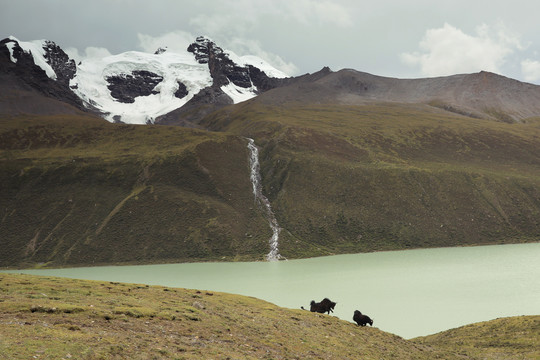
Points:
[(255, 176)]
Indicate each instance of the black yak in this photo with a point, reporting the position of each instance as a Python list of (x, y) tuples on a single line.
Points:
[(362, 320), (325, 306)]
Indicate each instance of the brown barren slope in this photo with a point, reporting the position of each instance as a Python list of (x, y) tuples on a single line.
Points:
[(481, 95)]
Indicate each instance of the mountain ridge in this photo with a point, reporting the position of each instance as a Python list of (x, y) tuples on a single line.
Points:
[(480, 95), (182, 88), (137, 87)]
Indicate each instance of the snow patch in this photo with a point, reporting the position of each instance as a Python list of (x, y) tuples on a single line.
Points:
[(239, 94), (256, 61), (10, 45), (268, 69)]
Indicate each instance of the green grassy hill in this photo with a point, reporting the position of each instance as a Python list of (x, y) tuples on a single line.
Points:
[(392, 176), (80, 191), (55, 318), (341, 179)]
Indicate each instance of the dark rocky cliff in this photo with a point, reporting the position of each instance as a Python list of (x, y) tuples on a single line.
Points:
[(25, 74)]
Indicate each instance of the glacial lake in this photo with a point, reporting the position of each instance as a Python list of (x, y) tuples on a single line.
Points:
[(409, 293)]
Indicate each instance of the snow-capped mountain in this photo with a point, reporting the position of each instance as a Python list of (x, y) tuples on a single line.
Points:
[(137, 87)]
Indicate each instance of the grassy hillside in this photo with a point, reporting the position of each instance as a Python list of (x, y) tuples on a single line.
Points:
[(80, 191), (392, 176), (341, 179), (54, 318), (504, 338)]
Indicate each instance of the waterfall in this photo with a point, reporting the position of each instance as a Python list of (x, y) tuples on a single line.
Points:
[(255, 176)]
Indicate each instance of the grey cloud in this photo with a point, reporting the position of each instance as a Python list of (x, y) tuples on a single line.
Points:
[(368, 36)]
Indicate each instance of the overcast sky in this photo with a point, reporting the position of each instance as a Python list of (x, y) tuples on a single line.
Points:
[(397, 38)]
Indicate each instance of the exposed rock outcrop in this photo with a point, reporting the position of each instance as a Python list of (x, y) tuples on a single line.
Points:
[(126, 87), (182, 91), (64, 67), (222, 69)]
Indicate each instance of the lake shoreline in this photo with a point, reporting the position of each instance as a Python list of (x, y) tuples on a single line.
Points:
[(410, 293), (225, 259)]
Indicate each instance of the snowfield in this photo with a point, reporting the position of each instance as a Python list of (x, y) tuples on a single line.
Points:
[(90, 83)]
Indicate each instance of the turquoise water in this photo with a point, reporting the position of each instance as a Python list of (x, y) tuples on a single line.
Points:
[(409, 293)]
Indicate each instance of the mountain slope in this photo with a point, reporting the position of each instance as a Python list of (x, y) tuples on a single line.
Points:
[(341, 179), (480, 95), (391, 175), (76, 190), (34, 78)]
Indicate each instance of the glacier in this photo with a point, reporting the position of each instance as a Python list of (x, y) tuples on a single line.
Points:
[(90, 83), (92, 86)]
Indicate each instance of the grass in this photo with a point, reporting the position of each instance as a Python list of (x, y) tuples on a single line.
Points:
[(341, 179), (504, 338), (50, 139), (403, 134), (77, 192), (55, 318), (392, 176)]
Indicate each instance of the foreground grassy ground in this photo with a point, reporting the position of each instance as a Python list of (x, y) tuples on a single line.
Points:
[(505, 338), (54, 318)]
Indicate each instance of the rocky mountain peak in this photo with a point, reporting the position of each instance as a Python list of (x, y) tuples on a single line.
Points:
[(160, 50), (64, 67), (40, 64), (222, 69), (44, 54), (204, 48)]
